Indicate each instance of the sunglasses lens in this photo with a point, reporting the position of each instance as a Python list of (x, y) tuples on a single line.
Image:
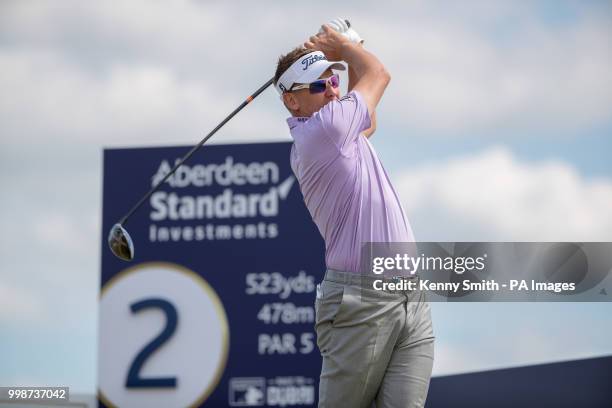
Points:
[(318, 86), (334, 80)]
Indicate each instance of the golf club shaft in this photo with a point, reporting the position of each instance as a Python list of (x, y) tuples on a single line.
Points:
[(196, 147)]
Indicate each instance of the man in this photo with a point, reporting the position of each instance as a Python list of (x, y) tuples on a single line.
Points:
[(373, 352)]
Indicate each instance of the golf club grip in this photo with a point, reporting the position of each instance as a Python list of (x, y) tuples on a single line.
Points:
[(196, 147)]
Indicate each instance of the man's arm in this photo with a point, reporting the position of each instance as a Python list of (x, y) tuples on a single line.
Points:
[(353, 79), (371, 76)]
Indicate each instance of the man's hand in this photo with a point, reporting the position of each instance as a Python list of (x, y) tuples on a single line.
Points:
[(343, 26), (329, 42)]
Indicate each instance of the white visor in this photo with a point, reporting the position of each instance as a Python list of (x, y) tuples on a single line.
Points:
[(305, 70)]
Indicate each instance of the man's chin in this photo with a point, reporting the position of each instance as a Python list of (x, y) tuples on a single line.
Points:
[(335, 98)]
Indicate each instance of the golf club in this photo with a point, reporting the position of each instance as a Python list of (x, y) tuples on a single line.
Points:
[(119, 240)]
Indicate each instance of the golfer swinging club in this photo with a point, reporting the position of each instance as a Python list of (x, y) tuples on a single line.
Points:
[(373, 352)]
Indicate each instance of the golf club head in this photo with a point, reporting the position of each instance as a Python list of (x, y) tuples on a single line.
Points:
[(120, 243)]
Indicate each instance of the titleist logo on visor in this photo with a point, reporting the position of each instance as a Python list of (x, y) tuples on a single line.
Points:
[(311, 60)]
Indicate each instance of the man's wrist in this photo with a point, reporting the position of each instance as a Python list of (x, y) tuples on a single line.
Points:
[(346, 49)]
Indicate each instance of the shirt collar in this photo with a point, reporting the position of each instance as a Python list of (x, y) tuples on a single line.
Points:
[(293, 121)]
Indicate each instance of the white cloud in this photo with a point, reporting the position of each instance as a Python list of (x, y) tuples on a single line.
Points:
[(64, 234), (493, 196), (473, 337), (120, 74), (454, 77), (20, 306), (129, 104)]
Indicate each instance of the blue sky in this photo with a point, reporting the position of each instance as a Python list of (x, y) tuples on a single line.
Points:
[(588, 153), (494, 90)]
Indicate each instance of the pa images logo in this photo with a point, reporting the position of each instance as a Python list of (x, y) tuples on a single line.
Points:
[(247, 392)]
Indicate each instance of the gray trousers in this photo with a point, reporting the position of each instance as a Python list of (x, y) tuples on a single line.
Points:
[(377, 347)]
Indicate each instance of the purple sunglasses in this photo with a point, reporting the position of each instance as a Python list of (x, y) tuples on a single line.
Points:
[(319, 85)]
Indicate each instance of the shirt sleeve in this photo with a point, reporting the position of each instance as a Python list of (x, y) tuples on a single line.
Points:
[(344, 120)]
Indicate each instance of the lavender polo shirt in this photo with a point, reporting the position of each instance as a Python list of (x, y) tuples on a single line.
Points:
[(345, 187)]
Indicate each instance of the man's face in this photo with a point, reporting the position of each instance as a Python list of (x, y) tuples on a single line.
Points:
[(303, 103)]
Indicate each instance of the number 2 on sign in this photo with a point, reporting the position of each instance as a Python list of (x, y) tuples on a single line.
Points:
[(134, 380)]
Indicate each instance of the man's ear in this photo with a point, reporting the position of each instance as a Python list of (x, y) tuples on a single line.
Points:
[(291, 101)]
